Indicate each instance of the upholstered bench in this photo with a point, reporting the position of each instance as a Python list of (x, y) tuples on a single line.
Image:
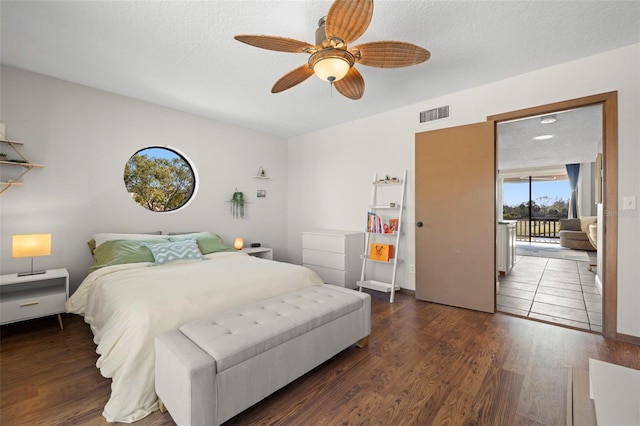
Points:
[(214, 368)]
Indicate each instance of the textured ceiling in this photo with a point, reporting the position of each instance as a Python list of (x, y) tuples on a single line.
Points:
[(577, 136), (182, 54)]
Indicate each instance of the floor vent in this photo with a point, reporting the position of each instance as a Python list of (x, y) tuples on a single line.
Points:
[(434, 114)]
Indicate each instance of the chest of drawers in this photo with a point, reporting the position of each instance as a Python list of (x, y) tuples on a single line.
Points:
[(334, 255)]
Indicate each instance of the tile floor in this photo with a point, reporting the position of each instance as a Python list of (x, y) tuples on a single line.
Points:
[(554, 290)]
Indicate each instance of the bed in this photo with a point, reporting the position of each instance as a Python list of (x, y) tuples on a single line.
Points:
[(133, 293)]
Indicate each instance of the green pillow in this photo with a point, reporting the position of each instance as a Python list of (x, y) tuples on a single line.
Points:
[(206, 243), (118, 252)]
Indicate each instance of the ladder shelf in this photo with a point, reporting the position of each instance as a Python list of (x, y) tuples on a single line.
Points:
[(374, 237)]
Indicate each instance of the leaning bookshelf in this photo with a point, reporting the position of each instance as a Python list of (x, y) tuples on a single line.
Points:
[(384, 228)]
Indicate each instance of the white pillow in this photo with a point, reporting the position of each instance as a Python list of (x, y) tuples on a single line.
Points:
[(109, 236), (189, 234)]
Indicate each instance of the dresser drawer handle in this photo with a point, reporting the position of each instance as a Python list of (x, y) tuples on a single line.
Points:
[(22, 305)]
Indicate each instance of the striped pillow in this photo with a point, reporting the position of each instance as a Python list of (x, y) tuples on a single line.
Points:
[(176, 250)]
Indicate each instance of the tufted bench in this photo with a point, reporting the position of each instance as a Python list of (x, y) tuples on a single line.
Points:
[(212, 369)]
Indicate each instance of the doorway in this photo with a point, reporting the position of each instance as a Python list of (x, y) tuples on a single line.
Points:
[(553, 277), (607, 263)]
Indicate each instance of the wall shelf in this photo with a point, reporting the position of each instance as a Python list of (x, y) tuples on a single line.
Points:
[(22, 162), (384, 207), (388, 182), (25, 165)]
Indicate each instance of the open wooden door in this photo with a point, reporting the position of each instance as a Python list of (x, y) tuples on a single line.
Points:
[(456, 216)]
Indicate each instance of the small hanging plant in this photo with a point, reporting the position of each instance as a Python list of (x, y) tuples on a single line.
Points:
[(237, 205)]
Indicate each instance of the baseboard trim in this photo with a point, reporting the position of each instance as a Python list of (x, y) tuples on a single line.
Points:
[(599, 284), (634, 340)]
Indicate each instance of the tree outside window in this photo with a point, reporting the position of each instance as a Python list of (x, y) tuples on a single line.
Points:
[(159, 179)]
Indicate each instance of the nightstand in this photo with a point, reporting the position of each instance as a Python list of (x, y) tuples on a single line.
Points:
[(263, 252), (33, 296)]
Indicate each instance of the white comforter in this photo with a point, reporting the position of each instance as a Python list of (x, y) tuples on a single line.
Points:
[(127, 305)]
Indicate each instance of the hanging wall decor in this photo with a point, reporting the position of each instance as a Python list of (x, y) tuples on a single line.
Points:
[(237, 205)]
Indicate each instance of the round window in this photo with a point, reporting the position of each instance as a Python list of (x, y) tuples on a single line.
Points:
[(159, 179)]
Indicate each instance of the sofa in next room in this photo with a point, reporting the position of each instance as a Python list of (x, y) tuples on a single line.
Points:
[(579, 233)]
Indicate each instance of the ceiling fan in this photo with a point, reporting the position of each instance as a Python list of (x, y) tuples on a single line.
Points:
[(331, 59)]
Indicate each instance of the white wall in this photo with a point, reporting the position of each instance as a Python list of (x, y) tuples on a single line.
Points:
[(85, 136), (330, 170)]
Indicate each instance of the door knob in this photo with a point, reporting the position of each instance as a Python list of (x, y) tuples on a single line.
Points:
[(419, 224)]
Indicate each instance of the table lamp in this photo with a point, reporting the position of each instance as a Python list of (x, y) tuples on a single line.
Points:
[(31, 245), (238, 243)]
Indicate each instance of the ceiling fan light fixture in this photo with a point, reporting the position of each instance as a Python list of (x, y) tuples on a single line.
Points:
[(330, 58), (331, 64)]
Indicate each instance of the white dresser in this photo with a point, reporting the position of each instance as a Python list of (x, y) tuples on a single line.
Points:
[(334, 255)]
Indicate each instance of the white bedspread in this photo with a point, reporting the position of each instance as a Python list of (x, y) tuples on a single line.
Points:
[(127, 305)]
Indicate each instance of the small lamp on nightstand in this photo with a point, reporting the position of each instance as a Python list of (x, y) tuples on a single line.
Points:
[(31, 245), (238, 243)]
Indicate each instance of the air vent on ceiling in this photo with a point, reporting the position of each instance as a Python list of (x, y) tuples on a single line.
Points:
[(434, 114)]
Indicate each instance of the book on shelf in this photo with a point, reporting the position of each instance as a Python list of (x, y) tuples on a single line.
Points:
[(374, 224), (370, 221), (384, 226), (381, 225)]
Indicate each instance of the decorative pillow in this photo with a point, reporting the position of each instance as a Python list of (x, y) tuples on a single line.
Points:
[(187, 233), (92, 247), (175, 250), (207, 242), (117, 252), (109, 236), (585, 221)]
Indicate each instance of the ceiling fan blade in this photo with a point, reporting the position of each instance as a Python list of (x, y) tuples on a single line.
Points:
[(351, 85), (280, 44), (348, 19), (390, 54), (292, 78)]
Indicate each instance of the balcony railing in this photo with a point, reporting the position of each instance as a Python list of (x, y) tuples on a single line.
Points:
[(539, 228)]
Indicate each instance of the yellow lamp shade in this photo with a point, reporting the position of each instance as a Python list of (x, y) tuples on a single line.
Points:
[(238, 243), (31, 245)]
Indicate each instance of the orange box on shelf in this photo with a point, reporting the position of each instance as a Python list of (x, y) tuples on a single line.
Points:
[(382, 252)]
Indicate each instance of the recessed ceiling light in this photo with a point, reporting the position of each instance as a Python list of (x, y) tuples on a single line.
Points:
[(548, 119), (543, 137)]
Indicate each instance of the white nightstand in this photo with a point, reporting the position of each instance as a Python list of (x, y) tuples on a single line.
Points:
[(263, 252), (33, 296)]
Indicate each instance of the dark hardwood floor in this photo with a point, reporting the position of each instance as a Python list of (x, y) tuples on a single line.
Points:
[(425, 364)]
